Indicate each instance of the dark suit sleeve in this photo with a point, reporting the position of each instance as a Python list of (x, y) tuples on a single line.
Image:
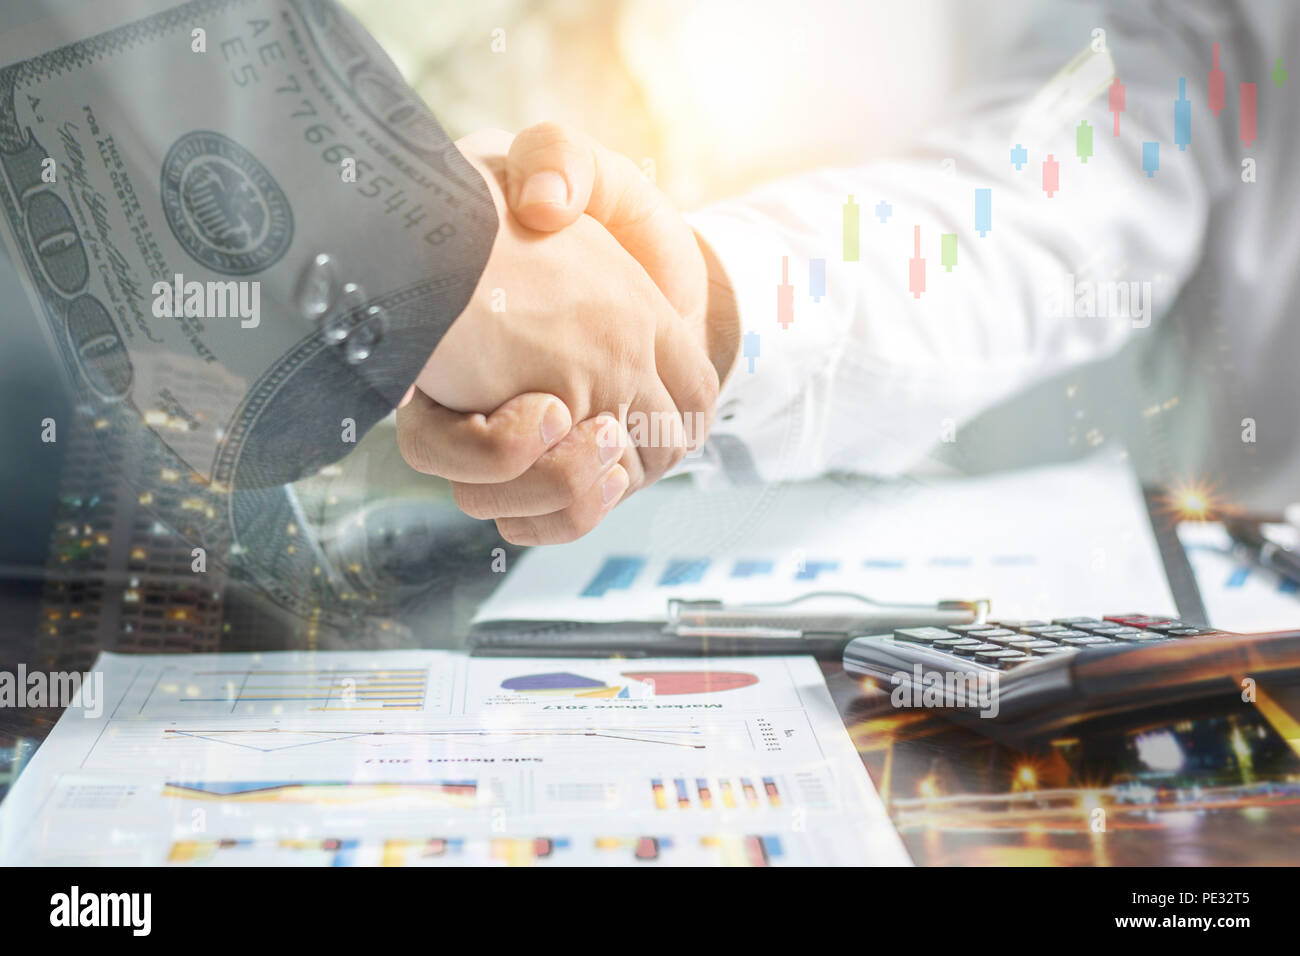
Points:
[(365, 354)]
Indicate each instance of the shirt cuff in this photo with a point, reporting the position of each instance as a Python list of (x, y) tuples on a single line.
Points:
[(771, 407)]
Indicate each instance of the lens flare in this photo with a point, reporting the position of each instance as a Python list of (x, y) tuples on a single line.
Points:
[(1193, 500)]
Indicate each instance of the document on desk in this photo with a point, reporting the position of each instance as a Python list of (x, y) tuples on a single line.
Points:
[(1238, 594), (353, 758), (1044, 542)]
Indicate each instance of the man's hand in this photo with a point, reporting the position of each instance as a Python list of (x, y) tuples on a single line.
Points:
[(581, 322), (554, 175)]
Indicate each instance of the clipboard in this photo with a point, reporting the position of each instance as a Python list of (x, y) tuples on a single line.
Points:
[(820, 623)]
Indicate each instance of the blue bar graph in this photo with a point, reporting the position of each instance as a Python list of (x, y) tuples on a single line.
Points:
[(1182, 116), (684, 571), (817, 278), (811, 569), (616, 574), (1151, 158), (750, 569), (1238, 576), (751, 347), (1242, 572), (983, 211)]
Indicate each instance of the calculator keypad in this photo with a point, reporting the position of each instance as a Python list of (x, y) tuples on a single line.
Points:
[(1009, 644)]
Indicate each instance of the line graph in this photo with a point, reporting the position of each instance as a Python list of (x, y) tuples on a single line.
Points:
[(273, 739), (333, 747)]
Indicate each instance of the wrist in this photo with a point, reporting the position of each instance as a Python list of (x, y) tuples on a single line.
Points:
[(722, 317)]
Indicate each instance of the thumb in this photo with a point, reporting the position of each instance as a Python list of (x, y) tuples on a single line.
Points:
[(550, 173), (554, 175)]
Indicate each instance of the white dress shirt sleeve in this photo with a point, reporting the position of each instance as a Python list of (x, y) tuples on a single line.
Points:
[(870, 378)]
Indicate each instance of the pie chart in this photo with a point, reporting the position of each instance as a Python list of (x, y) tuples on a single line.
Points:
[(669, 683), (664, 683)]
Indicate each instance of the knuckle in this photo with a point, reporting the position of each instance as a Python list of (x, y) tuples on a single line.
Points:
[(651, 465), (469, 500), (415, 448), (566, 527), (511, 452), (518, 531), (658, 461), (569, 484), (704, 387), (503, 450), (702, 418), (712, 386)]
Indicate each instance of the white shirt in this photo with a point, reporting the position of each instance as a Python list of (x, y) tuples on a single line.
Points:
[(873, 379)]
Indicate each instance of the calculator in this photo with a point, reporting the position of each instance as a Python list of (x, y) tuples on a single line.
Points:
[(1060, 670)]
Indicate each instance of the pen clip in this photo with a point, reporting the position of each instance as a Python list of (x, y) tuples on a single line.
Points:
[(810, 614)]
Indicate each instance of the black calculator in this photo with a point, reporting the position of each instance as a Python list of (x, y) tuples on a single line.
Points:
[(1009, 671)]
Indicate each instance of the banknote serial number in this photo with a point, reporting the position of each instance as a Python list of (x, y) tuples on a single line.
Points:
[(369, 184), (375, 187), (378, 187)]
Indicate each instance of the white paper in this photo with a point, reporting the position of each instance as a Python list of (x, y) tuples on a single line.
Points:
[(1239, 595), (1062, 540), (435, 758)]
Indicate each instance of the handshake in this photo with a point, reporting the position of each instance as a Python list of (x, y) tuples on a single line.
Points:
[(598, 307)]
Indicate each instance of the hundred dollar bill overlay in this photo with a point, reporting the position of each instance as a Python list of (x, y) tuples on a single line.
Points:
[(244, 236), (238, 224)]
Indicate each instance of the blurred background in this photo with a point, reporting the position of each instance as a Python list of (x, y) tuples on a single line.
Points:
[(712, 97)]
